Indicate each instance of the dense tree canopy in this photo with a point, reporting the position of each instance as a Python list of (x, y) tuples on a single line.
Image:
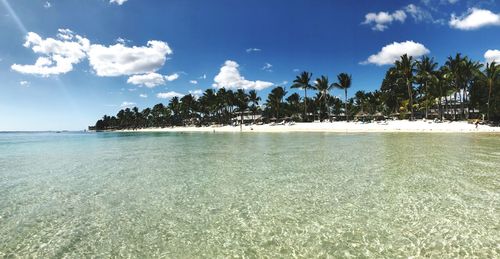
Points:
[(412, 88)]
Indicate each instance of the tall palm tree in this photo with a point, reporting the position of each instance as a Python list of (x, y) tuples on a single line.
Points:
[(491, 79), (455, 74), (324, 88), (294, 103), (361, 98), (471, 71), (344, 82), (275, 99), (241, 104), (405, 68), (254, 99), (209, 102), (425, 73), (303, 82)]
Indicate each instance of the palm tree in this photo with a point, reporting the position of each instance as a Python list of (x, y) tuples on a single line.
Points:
[(293, 103), (275, 99), (344, 82), (461, 72), (405, 68), (425, 73), (254, 99), (472, 70), (241, 104), (302, 82), (360, 98), (324, 87), (209, 103), (490, 78), (174, 106)]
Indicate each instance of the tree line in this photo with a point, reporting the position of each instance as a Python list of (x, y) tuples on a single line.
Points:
[(412, 88)]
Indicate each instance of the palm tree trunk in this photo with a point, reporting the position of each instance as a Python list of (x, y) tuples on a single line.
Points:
[(426, 102), (455, 108), (489, 99), (466, 97), (345, 104), (446, 106), (440, 107), (327, 109), (241, 123), (411, 100), (305, 104), (462, 107)]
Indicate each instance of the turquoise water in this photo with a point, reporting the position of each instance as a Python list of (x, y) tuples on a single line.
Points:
[(249, 195)]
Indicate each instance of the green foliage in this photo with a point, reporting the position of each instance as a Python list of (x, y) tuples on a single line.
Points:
[(408, 86)]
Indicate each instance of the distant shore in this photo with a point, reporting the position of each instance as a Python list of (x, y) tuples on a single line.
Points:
[(345, 127)]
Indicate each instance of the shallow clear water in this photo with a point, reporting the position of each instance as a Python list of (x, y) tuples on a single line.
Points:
[(254, 195)]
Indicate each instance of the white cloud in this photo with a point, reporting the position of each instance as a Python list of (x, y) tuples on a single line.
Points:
[(230, 77), (249, 50), (194, 82), (296, 70), (204, 76), (143, 95), (267, 67), (118, 2), (59, 55), (47, 5), (474, 19), (118, 59), (492, 55), (127, 105), (169, 95), (151, 79), (380, 21), (172, 77), (24, 83), (392, 52)]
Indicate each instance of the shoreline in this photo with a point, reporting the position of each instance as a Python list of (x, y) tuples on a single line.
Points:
[(340, 127)]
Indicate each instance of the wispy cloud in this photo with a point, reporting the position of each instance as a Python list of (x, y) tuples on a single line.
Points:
[(118, 2), (267, 67), (24, 83), (127, 104), (420, 14), (250, 50), (380, 21), (151, 80)]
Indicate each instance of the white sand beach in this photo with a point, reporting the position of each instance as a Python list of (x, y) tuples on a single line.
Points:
[(346, 127)]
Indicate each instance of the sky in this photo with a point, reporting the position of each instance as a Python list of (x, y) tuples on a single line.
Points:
[(66, 63)]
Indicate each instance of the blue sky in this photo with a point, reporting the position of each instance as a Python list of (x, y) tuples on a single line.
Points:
[(65, 63)]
